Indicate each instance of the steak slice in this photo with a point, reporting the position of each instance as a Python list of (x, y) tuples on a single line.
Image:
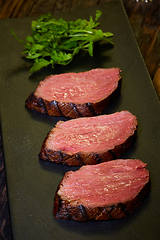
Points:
[(89, 140), (75, 94), (109, 190)]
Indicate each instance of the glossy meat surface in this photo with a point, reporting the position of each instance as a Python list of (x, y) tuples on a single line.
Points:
[(104, 184), (94, 134), (79, 88)]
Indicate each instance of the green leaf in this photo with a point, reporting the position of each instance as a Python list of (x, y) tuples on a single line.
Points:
[(37, 47), (108, 34), (38, 65), (57, 41), (98, 15), (90, 48), (30, 39), (33, 56)]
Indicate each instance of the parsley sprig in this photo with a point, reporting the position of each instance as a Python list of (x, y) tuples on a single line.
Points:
[(57, 41)]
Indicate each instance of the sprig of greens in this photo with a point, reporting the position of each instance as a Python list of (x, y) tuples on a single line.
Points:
[(57, 41)]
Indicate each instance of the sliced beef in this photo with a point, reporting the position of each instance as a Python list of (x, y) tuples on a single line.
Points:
[(89, 140), (75, 94), (109, 190)]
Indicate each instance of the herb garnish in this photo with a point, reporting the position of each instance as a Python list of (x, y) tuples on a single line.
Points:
[(57, 41)]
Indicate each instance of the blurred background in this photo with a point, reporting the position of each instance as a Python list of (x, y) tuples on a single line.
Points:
[(144, 17)]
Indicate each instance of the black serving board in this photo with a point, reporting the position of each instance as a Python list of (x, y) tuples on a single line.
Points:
[(32, 183)]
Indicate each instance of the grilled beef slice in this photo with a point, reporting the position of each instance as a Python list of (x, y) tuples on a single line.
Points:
[(75, 94), (89, 140), (109, 190)]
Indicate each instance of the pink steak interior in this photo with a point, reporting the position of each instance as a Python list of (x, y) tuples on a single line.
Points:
[(104, 184), (93, 134), (92, 86)]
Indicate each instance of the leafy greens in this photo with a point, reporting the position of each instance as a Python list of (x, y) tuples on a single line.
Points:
[(57, 41)]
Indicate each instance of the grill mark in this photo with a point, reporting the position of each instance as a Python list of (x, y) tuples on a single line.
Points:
[(78, 157), (44, 154), (49, 154), (110, 211), (67, 214), (41, 104), (83, 211), (60, 155), (91, 108), (30, 98), (75, 109), (59, 203), (97, 158), (55, 103), (61, 207), (123, 208)]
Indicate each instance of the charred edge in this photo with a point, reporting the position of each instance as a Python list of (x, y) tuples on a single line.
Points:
[(114, 156), (59, 210), (83, 212), (57, 204), (30, 99), (48, 155), (91, 108), (75, 109), (68, 215), (110, 211), (55, 103), (61, 156), (123, 208), (98, 158), (65, 207), (41, 154), (78, 157), (42, 104)]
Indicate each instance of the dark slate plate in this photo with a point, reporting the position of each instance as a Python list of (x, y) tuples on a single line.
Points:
[(31, 183)]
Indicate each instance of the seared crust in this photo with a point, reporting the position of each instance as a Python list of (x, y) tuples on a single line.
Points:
[(70, 110), (64, 209), (80, 159)]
